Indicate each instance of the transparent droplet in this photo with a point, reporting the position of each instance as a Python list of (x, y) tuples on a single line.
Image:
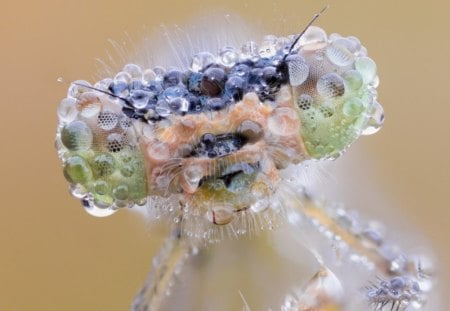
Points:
[(107, 120), (99, 212), (162, 108), (78, 191), (376, 119), (77, 135), (228, 56), (124, 77), (114, 142), (330, 85), (268, 47), (67, 110), (298, 70), (201, 60), (367, 67), (323, 288), (249, 51), (140, 98), (101, 187), (220, 215), (77, 170), (148, 76), (77, 88), (159, 72), (313, 39), (353, 106), (127, 170), (103, 165), (192, 176), (120, 192), (134, 70), (353, 79), (338, 52)]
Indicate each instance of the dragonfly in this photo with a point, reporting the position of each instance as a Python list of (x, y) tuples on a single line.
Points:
[(216, 148)]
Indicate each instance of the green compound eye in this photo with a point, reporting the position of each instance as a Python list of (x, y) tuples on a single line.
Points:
[(337, 103)]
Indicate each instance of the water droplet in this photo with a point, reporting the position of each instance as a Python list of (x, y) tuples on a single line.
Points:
[(367, 67), (330, 85), (127, 170), (107, 120), (67, 110), (201, 60), (103, 165), (268, 47), (120, 192), (338, 52), (353, 106), (375, 121), (99, 212), (162, 108), (249, 51), (75, 90), (140, 98), (101, 187), (134, 70), (228, 56), (220, 215), (324, 287), (148, 76), (353, 79), (76, 136), (77, 170), (298, 69), (314, 38)]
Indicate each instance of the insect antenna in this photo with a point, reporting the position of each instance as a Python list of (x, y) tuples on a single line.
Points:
[(316, 16), (125, 100)]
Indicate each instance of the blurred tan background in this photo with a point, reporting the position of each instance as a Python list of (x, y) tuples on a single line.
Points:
[(56, 257)]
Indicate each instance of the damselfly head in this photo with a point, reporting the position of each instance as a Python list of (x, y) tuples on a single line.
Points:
[(208, 142)]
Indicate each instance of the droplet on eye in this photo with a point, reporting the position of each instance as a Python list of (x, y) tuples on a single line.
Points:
[(107, 120), (133, 70), (313, 39), (77, 170), (298, 70), (201, 60), (250, 50), (67, 110), (228, 56), (77, 136), (367, 68), (338, 52), (220, 215), (353, 79), (330, 85), (376, 119)]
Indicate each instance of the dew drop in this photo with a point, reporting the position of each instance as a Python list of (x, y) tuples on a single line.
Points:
[(330, 85), (376, 119), (76, 136), (67, 110), (367, 67), (99, 212), (313, 39), (201, 60)]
